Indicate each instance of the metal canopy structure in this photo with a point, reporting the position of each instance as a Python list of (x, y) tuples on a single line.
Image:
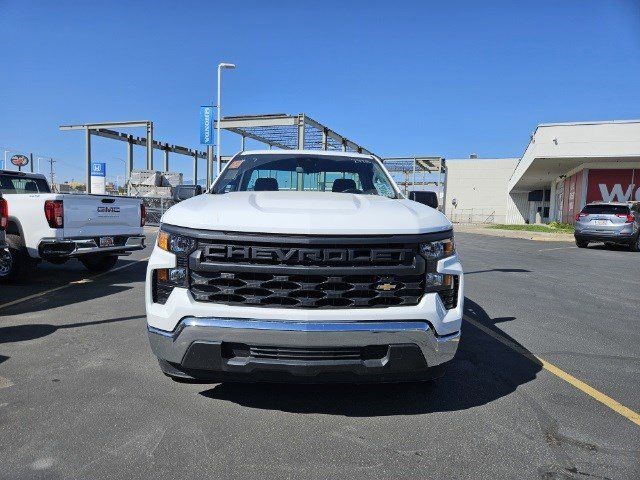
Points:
[(417, 172), (299, 132), (103, 129), (289, 132)]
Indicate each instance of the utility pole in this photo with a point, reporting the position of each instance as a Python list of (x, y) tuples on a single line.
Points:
[(51, 174)]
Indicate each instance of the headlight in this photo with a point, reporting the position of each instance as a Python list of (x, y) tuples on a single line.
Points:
[(174, 243), (165, 279), (438, 249)]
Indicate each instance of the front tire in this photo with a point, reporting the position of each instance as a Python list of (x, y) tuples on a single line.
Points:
[(99, 263), (582, 243)]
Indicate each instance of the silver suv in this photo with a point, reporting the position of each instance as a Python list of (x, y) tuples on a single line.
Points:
[(611, 223)]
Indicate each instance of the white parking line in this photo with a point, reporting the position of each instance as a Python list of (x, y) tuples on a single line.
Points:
[(556, 248), (70, 284)]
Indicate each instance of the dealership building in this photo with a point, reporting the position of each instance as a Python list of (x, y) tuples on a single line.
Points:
[(564, 167)]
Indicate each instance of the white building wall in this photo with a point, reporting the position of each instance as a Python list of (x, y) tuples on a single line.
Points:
[(480, 189), (580, 140), (517, 208)]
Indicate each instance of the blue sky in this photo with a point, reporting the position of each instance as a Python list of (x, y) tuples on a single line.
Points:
[(401, 78)]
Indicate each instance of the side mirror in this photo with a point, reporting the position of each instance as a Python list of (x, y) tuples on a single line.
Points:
[(429, 199), (183, 192)]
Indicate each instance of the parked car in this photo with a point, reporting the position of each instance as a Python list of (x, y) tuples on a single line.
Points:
[(5, 257), (55, 227), (429, 199), (182, 192), (304, 266), (611, 223)]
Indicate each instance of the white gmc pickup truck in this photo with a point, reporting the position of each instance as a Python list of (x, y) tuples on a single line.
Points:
[(41, 225), (304, 266)]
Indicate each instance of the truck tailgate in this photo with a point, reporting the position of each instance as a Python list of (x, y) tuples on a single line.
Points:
[(95, 215)]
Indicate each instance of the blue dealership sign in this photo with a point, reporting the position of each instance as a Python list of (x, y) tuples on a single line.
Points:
[(98, 169), (206, 125)]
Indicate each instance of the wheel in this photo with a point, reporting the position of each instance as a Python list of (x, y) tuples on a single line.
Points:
[(16, 263), (635, 246), (582, 243), (99, 263), (5, 265)]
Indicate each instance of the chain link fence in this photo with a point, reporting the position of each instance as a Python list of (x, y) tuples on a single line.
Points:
[(156, 206), (476, 215)]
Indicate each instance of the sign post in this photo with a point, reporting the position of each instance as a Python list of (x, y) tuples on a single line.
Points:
[(98, 178)]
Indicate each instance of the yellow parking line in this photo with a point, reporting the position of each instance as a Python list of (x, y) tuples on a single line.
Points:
[(558, 372), (66, 285)]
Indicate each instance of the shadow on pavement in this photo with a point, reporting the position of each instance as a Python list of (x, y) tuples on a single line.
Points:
[(503, 270), (102, 286), (21, 333), (483, 370), (613, 247)]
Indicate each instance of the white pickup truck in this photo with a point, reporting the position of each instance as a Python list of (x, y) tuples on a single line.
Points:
[(41, 225), (304, 266)]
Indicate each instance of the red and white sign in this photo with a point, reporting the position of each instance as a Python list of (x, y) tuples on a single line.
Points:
[(603, 185), (613, 185), (20, 160)]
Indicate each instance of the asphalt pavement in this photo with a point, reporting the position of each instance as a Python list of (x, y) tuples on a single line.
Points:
[(81, 395)]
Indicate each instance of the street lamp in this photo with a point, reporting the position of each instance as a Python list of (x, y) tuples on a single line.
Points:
[(124, 162), (218, 162)]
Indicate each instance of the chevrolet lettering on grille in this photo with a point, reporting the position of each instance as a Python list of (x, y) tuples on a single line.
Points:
[(306, 255)]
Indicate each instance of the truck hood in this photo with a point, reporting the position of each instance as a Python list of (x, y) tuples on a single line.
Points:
[(310, 213)]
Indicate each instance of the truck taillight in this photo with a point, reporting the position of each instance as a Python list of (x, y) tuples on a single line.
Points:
[(143, 215), (54, 213), (4, 214), (581, 215)]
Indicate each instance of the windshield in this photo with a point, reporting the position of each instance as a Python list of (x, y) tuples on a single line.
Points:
[(14, 184), (305, 173), (604, 209)]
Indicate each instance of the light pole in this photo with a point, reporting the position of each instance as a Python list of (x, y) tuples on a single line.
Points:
[(126, 171), (218, 162), (38, 159)]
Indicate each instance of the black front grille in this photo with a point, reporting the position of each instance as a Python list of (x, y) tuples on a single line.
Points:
[(299, 271), (306, 290), (231, 350)]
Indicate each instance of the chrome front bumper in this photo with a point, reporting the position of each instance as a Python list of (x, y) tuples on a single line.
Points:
[(176, 347), (60, 247)]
